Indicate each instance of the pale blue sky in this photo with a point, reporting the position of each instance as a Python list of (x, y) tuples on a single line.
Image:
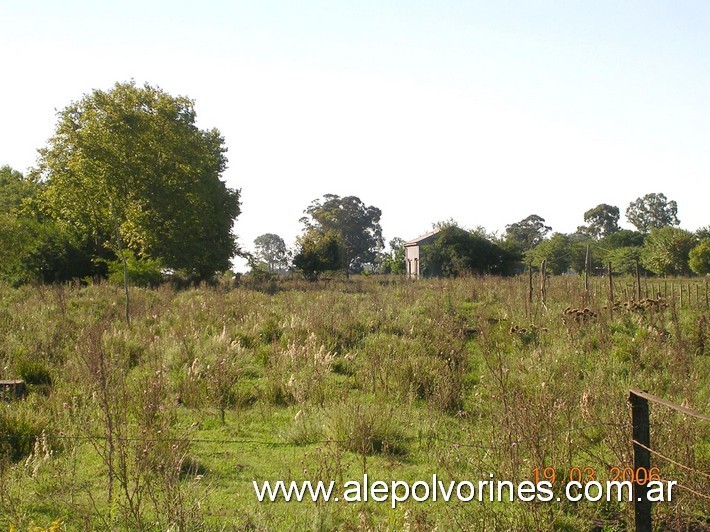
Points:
[(481, 111)]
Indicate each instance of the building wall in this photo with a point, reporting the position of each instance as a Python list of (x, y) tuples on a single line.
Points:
[(413, 253), (411, 257)]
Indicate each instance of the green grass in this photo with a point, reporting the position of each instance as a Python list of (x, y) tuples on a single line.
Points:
[(460, 378)]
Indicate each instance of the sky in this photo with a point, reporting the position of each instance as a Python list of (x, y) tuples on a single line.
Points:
[(478, 111)]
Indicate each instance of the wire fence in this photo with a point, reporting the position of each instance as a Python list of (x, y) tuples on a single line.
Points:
[(518, 441), (426, 438), (643, 451)]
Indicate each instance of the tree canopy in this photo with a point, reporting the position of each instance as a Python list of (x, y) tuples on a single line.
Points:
[(602, 220), (652, 211), (34, 248), (527, 233), (130, 168), (457, 251), (623, 238), (703, 232), (394, 261), (700, 257), (559, 251), (318, 253), (666, 251), (16, 190), (356, 225), (271, 250)]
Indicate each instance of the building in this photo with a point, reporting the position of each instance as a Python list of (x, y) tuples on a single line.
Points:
[(413, 253)]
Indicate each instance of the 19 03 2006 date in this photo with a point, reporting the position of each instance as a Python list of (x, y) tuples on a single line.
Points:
[(639, 475)]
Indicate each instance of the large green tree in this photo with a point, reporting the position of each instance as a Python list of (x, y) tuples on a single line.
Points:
[(652, 211), (602, 220), (624, 259), (666, 251), (356, 225), (16, 191), (130, 168), (318, 253), (271, 250), (560, 252), (394, 262), (622, 238), (703, 232), (622, 248), (700, 257), (457, 251), (34, 248), (526, 234)]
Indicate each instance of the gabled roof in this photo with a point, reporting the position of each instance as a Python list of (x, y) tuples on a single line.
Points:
[(422, 239)]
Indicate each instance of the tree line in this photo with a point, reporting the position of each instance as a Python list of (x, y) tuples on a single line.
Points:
[(656, 246), (129, 188), (344, 234)]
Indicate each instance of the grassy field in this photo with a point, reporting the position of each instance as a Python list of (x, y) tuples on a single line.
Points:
[(166, 423)]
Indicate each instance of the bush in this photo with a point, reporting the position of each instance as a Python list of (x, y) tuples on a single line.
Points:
[(34, 372), (665, 251), (18, 433), (142, 271), (299, 373), (457, 252), (700, 257), (624, 259), (367, 428)]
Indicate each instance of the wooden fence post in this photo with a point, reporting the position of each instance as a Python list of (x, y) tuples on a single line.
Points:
[(681, 294), (586, 273), (638, 281), (543, 288), (642, 459), (530, 283), (611, 289)]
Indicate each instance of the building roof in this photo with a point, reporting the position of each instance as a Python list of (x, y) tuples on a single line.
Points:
[(423, 239)]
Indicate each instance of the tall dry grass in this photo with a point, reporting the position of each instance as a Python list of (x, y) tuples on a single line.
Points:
[(462, 377)]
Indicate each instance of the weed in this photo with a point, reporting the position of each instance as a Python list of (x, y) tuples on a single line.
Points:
[(365, 428), (165, 425)]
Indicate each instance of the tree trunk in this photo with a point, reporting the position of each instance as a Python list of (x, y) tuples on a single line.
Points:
[(119, 245)]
